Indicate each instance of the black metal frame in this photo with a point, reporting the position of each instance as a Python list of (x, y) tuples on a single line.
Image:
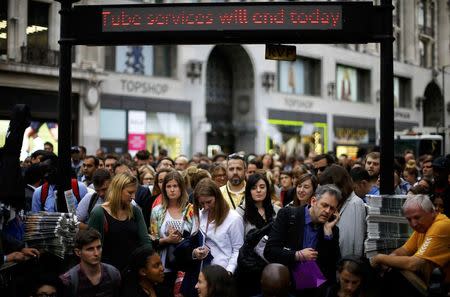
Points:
[(362, 23)]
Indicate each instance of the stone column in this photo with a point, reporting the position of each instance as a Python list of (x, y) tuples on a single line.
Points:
[(409, 32), (443, 37)]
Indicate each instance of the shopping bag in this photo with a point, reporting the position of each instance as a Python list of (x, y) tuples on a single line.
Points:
[(307, 275)]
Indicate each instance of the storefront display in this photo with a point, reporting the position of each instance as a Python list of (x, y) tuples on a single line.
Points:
[(296, 138)]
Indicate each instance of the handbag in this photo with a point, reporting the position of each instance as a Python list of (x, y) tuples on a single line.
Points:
[(307, 275), (171, 262)]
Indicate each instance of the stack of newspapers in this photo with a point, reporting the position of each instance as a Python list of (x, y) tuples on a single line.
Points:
[(387, 228), (51, 232)]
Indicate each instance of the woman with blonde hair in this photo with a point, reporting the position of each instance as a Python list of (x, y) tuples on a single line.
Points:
[(120, 223), (147, 176), (170, 222)]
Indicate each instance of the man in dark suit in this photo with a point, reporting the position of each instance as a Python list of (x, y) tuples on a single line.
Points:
[(308, 233)]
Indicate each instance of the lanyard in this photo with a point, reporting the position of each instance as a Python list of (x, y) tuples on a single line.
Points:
[(231, 198)]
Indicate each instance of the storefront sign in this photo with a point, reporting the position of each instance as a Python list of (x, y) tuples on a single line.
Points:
[(136, 142), (351, 136), (402, 115), (142, 87), (298, 104), (136, 130)]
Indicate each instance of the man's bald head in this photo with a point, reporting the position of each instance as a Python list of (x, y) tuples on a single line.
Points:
[(275, 280)]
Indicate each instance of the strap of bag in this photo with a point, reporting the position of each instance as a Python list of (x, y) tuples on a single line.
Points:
[(94, 199), (74, 279), (44, 194), (75, 189)]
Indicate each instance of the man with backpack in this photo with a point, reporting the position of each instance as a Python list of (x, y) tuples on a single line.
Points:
[(44, 197), (91, 277), (101, 180)]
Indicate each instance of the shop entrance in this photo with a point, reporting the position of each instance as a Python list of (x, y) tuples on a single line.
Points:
[(229, 98)]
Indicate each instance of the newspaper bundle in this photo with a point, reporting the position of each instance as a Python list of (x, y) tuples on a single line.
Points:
[(52, 232), (387, 228)]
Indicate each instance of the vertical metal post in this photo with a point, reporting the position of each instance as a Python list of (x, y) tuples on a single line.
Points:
[(64, 106), (387, 105)]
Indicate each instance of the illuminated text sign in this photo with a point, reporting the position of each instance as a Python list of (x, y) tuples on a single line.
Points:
[(227, 23), (293, 17)]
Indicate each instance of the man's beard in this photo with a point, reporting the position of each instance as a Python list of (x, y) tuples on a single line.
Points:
[(236, 181)]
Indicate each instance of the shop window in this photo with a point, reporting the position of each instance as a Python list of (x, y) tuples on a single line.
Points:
[(300, 77), (402, 92), (112, 124), (3, 26), (142, 60), (37, 30), (296, 138), (170, 131), (352, 84)]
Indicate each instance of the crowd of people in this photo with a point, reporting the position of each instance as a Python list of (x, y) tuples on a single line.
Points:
[(231, 225)]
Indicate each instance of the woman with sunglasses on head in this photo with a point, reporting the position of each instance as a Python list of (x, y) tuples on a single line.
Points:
[(170, 222)]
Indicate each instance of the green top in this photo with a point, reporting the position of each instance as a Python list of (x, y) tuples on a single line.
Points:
[(97, 221)]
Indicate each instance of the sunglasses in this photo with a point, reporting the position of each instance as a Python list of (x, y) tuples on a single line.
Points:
[(235, 156), (321, 169)]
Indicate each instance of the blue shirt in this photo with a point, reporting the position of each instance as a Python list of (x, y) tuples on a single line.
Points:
[(50, 203), (310, 231), (374, 190)]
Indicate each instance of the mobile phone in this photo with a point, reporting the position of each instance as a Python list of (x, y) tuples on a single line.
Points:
[(332, 218)]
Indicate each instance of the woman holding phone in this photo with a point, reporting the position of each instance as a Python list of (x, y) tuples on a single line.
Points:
[(222, 227), (170, 222)]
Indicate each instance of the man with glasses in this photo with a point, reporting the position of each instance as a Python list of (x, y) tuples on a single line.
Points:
[(234, 190), (321, 162), (308, 233)]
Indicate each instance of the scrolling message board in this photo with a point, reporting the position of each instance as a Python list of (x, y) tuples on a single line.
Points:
[(339, 22), (222, 18)]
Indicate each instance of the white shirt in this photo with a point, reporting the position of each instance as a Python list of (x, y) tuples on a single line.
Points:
[(164, 232), (224, 241)]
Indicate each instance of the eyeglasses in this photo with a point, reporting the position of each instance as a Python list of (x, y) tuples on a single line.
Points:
[(235, 156), (320, 168)]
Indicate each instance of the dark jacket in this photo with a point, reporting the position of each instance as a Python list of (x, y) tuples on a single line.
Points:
[(286, 237), (289, 196)]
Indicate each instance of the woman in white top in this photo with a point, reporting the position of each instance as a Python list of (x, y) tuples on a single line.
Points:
[(222, 227)]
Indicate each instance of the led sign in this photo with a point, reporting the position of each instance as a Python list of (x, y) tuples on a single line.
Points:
[(261, 17), (227, 23)]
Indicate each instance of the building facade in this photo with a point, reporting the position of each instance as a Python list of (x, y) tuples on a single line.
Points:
[(206, 98)]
